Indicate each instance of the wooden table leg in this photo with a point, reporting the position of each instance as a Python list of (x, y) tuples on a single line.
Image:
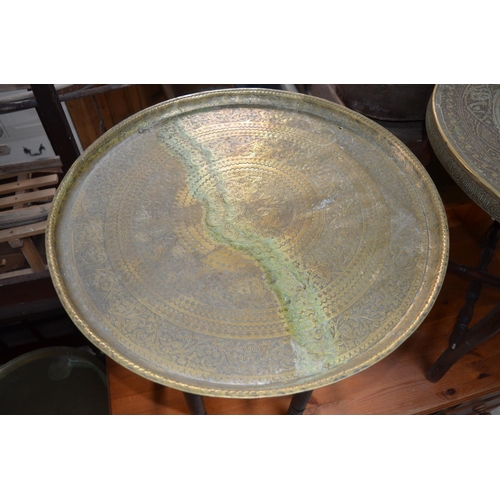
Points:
[(195, 404), (480, 332), (473, 274), (299, 403), (462, 339)]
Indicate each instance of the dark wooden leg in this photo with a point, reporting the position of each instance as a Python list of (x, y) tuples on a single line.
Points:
[(195, 404), (480, 332), (462, 338), (56, 124), (299, 403), (473, 274), (476, 286)]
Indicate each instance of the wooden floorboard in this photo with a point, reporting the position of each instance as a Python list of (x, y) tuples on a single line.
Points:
[(394, 386)]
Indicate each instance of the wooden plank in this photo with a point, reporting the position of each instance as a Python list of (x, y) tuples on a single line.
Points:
[(35, 196), (20, 178), (24, 216), (54, 170), (13, 169), (23, 185), (32, 255), (23, 231), (16, 243), (16, 274)]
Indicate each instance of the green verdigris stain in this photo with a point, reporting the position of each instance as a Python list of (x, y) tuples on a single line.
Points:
[(312, 338)]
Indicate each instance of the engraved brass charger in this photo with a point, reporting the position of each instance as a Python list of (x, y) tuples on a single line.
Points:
[(247, 243), (463, 124)]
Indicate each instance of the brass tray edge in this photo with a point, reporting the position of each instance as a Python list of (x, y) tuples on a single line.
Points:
[(432, 117), (471, 184)]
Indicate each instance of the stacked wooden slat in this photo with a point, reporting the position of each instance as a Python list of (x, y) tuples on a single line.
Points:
[(26, 193)]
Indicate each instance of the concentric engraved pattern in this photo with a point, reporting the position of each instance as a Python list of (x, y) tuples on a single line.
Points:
[(247, 243), (463, 123)]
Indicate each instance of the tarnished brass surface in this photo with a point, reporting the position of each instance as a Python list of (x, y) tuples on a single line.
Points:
[(463, 124), (247, 243)]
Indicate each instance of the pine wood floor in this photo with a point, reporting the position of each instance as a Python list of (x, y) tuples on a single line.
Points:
[(394, 386)]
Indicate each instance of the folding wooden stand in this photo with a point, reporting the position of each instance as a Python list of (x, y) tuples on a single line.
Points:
[(463, 339)]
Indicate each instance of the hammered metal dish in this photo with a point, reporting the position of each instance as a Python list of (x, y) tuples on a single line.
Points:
[(463, 125), (247, 243)]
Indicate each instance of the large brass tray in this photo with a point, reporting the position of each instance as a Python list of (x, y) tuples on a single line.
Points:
[(463, 124), (247, 243)]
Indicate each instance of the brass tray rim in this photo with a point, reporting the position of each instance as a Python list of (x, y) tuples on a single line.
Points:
[(480, 180), (134, 123)]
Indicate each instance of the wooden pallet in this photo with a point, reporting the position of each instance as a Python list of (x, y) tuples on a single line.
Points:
[(26, 193)]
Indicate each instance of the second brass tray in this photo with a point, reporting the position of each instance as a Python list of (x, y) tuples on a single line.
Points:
[(247, 243), (463, 124)]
